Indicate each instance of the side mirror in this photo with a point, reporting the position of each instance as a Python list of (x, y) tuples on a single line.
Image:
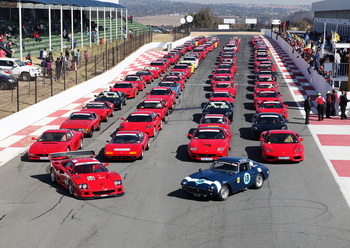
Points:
[(69, 169), (202, 104), (110, 87), (33, 138), (123, 119), (106, 164), (301, 139), (261, 139), (286, 105), (190, 136), (147, 93)]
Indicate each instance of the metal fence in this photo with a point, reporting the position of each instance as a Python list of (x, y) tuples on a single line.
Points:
[(340, 70), (71, 73)]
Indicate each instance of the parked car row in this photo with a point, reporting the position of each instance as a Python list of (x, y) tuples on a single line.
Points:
[(269, 123)]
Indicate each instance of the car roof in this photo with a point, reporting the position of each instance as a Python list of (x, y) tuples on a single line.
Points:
[(233, 159)]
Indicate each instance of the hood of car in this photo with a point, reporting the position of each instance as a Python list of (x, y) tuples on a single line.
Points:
[(69, 124), (48, 147), (96, 181), (210, 175), (207, 145), (283, 149)]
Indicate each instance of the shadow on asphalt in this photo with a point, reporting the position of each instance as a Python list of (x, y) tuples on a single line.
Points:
[(197, 118), (182, 154), (245, 133), (179, 193), (248, 117), (250, 97), (249, 105), (254, 153), (45, 178)]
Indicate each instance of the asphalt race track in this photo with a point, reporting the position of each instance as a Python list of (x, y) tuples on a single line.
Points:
[(299, 206)]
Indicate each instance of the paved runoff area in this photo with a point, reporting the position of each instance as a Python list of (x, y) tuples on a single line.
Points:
[(331, 135)]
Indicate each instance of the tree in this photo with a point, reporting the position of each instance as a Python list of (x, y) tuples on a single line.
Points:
[(205, 19)]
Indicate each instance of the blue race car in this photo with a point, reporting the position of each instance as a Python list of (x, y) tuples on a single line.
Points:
[(226, 176), (172, 85)]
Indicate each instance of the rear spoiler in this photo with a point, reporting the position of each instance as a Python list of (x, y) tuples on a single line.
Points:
[(69, 155)]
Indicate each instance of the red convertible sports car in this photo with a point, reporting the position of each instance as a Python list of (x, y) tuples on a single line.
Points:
[(230, 87), (145, 121), (129, 88), (265, 87), (209, 143), (154, 70), (266, 96), (57, 140), (281, 145), (136, 79), (164, 93), (215, 120), (84, 176), (183, 68), (127, 145), (156, 105), (103, 109), (222, 95), (220, 79), (273, 107), (147, 75), (86, 122)]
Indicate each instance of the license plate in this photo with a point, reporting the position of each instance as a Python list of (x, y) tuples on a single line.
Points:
[(283, 157), (206, 159), (197, 195), (43, 158)]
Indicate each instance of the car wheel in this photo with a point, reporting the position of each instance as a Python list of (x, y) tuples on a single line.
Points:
[(107, 117), (71, 188), (161, 125), (259, 181), (154, 131), (142, 154), (224, 193), (81, 144), (120, 106), (148, 146), (25, 76), (68, 149), (99, 127), (53, 175), (112, 114), (3, 86), (91, 133), (124, 103)]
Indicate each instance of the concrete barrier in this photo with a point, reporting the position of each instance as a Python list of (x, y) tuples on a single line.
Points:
[(17, 121)]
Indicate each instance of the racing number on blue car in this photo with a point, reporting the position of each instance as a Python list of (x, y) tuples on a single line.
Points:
[(246, 178)]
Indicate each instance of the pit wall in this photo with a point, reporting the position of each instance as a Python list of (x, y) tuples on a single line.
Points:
[(19, 120)]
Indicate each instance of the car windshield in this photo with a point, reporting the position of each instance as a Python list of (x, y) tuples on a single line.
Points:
[(94, 106), (222, 71), (122, 85), (143, 73), (217, 105), (271, 105), (168, 84), (19, 63), (139, 118), (180, 67), (214, 120), (126, 139), (157, 63), (56, 137), (265, 86), (281, 138), (108, 95), (267, 94), (209, 134), (132, 79), (221, 94), (151, 105), (269, 120), (89, 168), (80, 116), (222, 86), (224, 166), (159, 92)]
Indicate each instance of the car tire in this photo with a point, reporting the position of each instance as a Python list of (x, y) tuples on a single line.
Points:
[(142, 155), (124, 103), (161, 125), (71, 188), (25, 76), (259, 181), (91, 133), (224, 193), (3, 86), (99, 127), (81, 144), (68, 149), (53, 175), (154, 131), (107, 117), (112, 114), (148, 146)]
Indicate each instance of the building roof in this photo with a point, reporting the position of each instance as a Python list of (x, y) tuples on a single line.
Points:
[(331, 5), (76, 3)]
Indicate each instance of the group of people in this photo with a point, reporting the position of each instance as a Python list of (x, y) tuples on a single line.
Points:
[(329, 104)]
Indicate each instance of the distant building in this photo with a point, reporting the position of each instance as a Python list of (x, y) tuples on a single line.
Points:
[(336, 15)]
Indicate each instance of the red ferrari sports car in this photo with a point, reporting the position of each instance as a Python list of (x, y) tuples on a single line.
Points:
[(222, 95), (103, 109), (156, 105), (281, 145), (164, 93), (215, 120), (127, 145), (160, 64), (171, 58), (86, 122), (230, 87), (145, 121), (209, 143), (224, 72), (138, 80), (154, 70), (147, 75), (220, 79), (263, 86), (266, 96), (273, 107), (84, 176), (56, 140), (130, 89), (183, 68), (176, 79)]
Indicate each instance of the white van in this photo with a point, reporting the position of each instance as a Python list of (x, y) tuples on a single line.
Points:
[(19, 69)]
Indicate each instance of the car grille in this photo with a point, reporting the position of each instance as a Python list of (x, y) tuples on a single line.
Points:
[(107, 192), (194, 190), (206, 155), (42, 155)]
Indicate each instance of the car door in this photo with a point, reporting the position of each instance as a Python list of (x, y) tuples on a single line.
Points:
[(74, 140), (245, 177)]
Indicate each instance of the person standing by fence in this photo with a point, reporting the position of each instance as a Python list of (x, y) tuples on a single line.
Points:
[(58, 68), (320, 107), (86, 56), (343, 104), (307, 108)]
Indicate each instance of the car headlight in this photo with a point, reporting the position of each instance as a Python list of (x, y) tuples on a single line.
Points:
[(129, 91), (118, 182), (220, 149), (121, 127), (11, 80), (83, 186), (255, 128), (149, 126), (212, 187), (193, 148), (268, 150), (284, 128), (184, 182), (298, 149), (284, 112)]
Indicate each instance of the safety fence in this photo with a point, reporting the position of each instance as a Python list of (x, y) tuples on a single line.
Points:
[(70, 73)]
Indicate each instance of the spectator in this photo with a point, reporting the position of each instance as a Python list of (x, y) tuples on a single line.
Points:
[(44, 54), (343, 103), (58, 68), (337, 60), (2, 53), (320, 106), (43, 67), (86, 56), (29, 57)]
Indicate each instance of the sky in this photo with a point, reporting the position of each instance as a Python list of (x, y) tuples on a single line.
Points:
[(282, 2)]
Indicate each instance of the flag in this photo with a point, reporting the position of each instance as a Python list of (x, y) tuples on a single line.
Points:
[(324, 39)]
